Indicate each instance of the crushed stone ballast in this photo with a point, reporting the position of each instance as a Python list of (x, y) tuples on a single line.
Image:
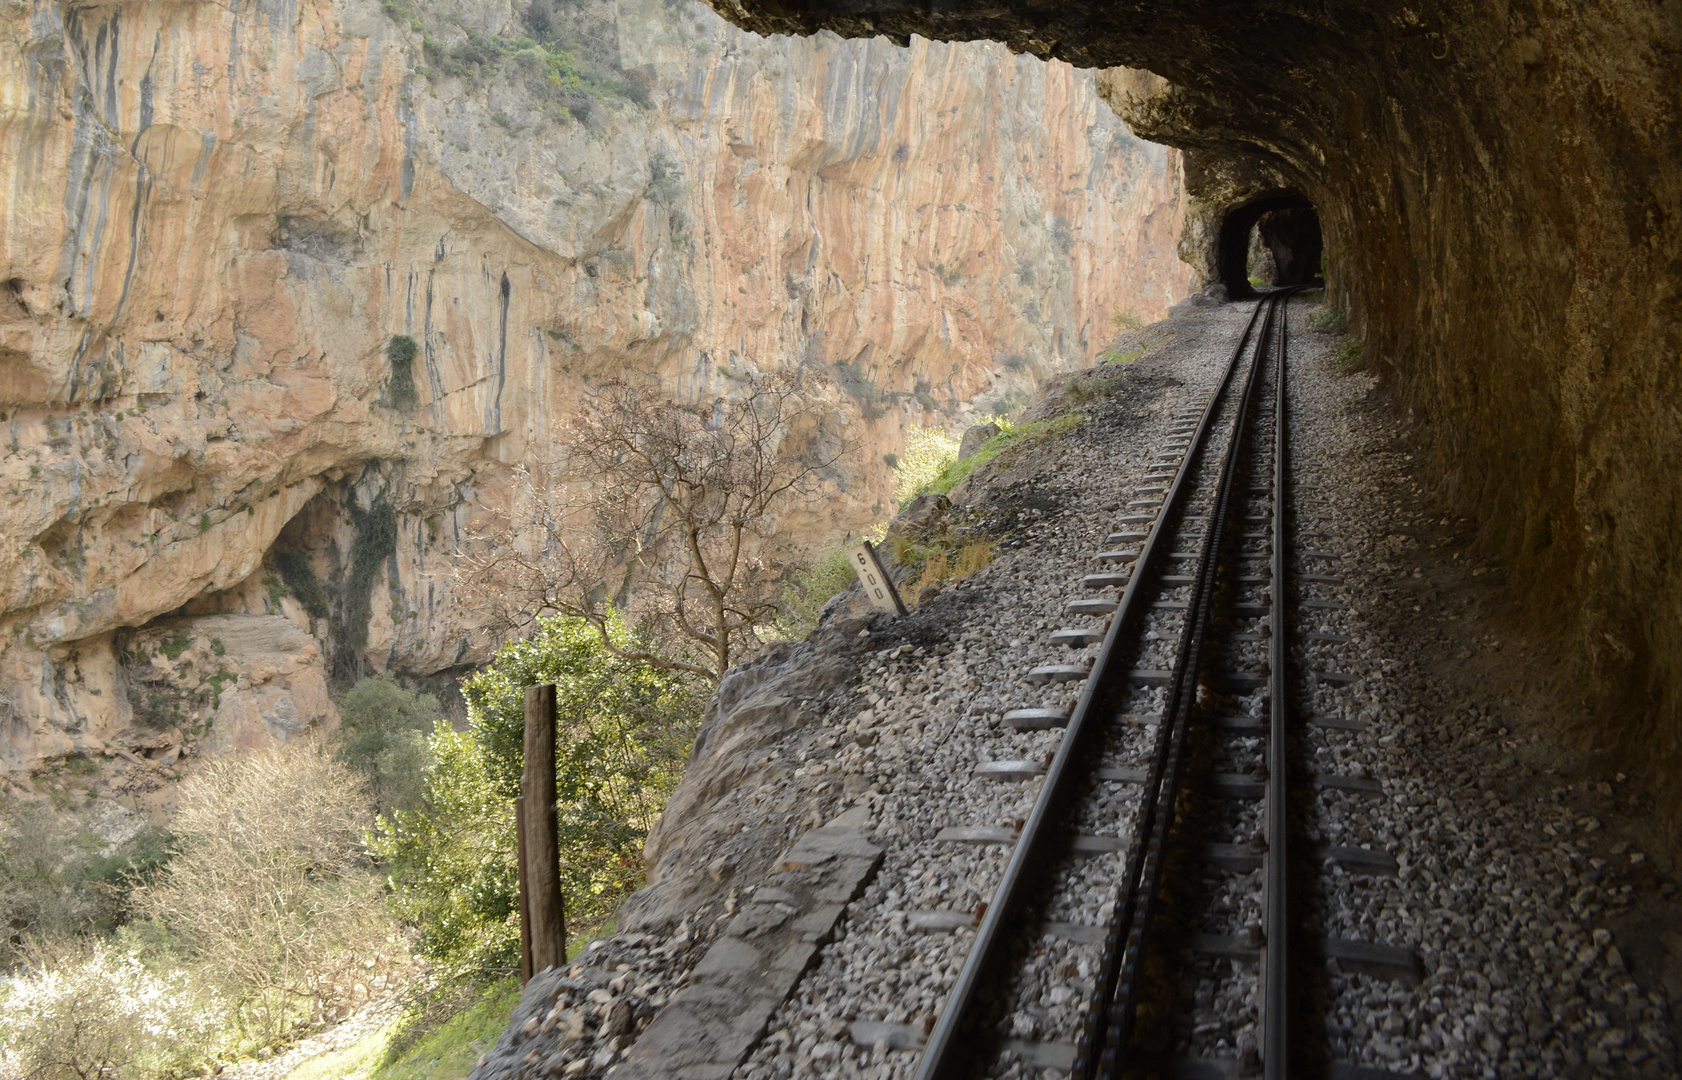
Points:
[(818, 883), (1173, 779)]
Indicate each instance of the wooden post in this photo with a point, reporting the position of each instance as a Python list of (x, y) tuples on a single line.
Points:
[(545, 917)]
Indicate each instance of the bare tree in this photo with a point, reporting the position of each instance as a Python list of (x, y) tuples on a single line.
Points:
[(663, 510), (267, 887)]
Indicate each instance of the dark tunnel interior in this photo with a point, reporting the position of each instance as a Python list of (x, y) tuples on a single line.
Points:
[(1275, 238)]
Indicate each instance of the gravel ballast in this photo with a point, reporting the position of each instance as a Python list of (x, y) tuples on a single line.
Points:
[(1543, 928)]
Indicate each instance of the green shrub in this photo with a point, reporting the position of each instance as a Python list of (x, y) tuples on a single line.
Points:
[(451, 865), (1062, 235), (1012, 437), (665, 179), (1350, 356), (635, 91), (383, 736), (42, 861), (569, 61), (85, 1009), (928, 451), (114, 873), (1328, 320), (297, 574), (620, 720), (857, 385), (159, 704), (624, 730), (176, 644), (807, 591), (401, 351), (58, 877), (268, 892)]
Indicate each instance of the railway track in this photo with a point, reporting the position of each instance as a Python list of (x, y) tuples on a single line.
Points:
[(1164, 879)]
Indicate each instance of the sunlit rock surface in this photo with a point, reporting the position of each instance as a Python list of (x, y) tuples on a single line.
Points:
[(216, 217)]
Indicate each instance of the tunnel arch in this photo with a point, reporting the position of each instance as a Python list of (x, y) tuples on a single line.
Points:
[(1290, 230)]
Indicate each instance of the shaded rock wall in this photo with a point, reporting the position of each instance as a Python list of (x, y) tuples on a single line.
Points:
[(1502, 203), (213, 219)]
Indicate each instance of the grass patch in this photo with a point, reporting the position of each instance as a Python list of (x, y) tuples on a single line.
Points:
[(942, 563), (1014, 437), (406, 1049), (359, 1059), (580, 937), (434, 1041), (421, 1047), (450, 1051), (1137, 340), (1351, 356), (1116, 356), (1083, 388)]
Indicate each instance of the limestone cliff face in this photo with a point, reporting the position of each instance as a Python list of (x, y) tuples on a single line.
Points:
[(216, 217)]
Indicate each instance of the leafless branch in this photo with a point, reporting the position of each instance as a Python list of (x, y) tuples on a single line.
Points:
[(674, 502)]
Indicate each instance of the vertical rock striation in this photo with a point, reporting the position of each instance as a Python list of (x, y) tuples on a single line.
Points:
[(215, 220)]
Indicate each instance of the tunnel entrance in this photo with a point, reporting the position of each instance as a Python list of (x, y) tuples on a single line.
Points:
[(1275, 238)]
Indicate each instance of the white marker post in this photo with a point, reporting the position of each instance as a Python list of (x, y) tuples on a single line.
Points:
[(877, 585)]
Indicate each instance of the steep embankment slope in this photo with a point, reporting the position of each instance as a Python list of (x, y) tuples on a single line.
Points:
[(216, 488)]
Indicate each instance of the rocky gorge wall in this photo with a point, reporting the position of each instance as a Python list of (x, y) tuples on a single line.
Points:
[(1499, 189), (214, 219)]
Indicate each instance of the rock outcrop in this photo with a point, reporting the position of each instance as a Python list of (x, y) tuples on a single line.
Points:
[(1501, 200), (216, 221)]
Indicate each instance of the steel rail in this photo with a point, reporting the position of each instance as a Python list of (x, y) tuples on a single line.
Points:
[(1276, 923), (947, 1053), (1112, 1014)]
